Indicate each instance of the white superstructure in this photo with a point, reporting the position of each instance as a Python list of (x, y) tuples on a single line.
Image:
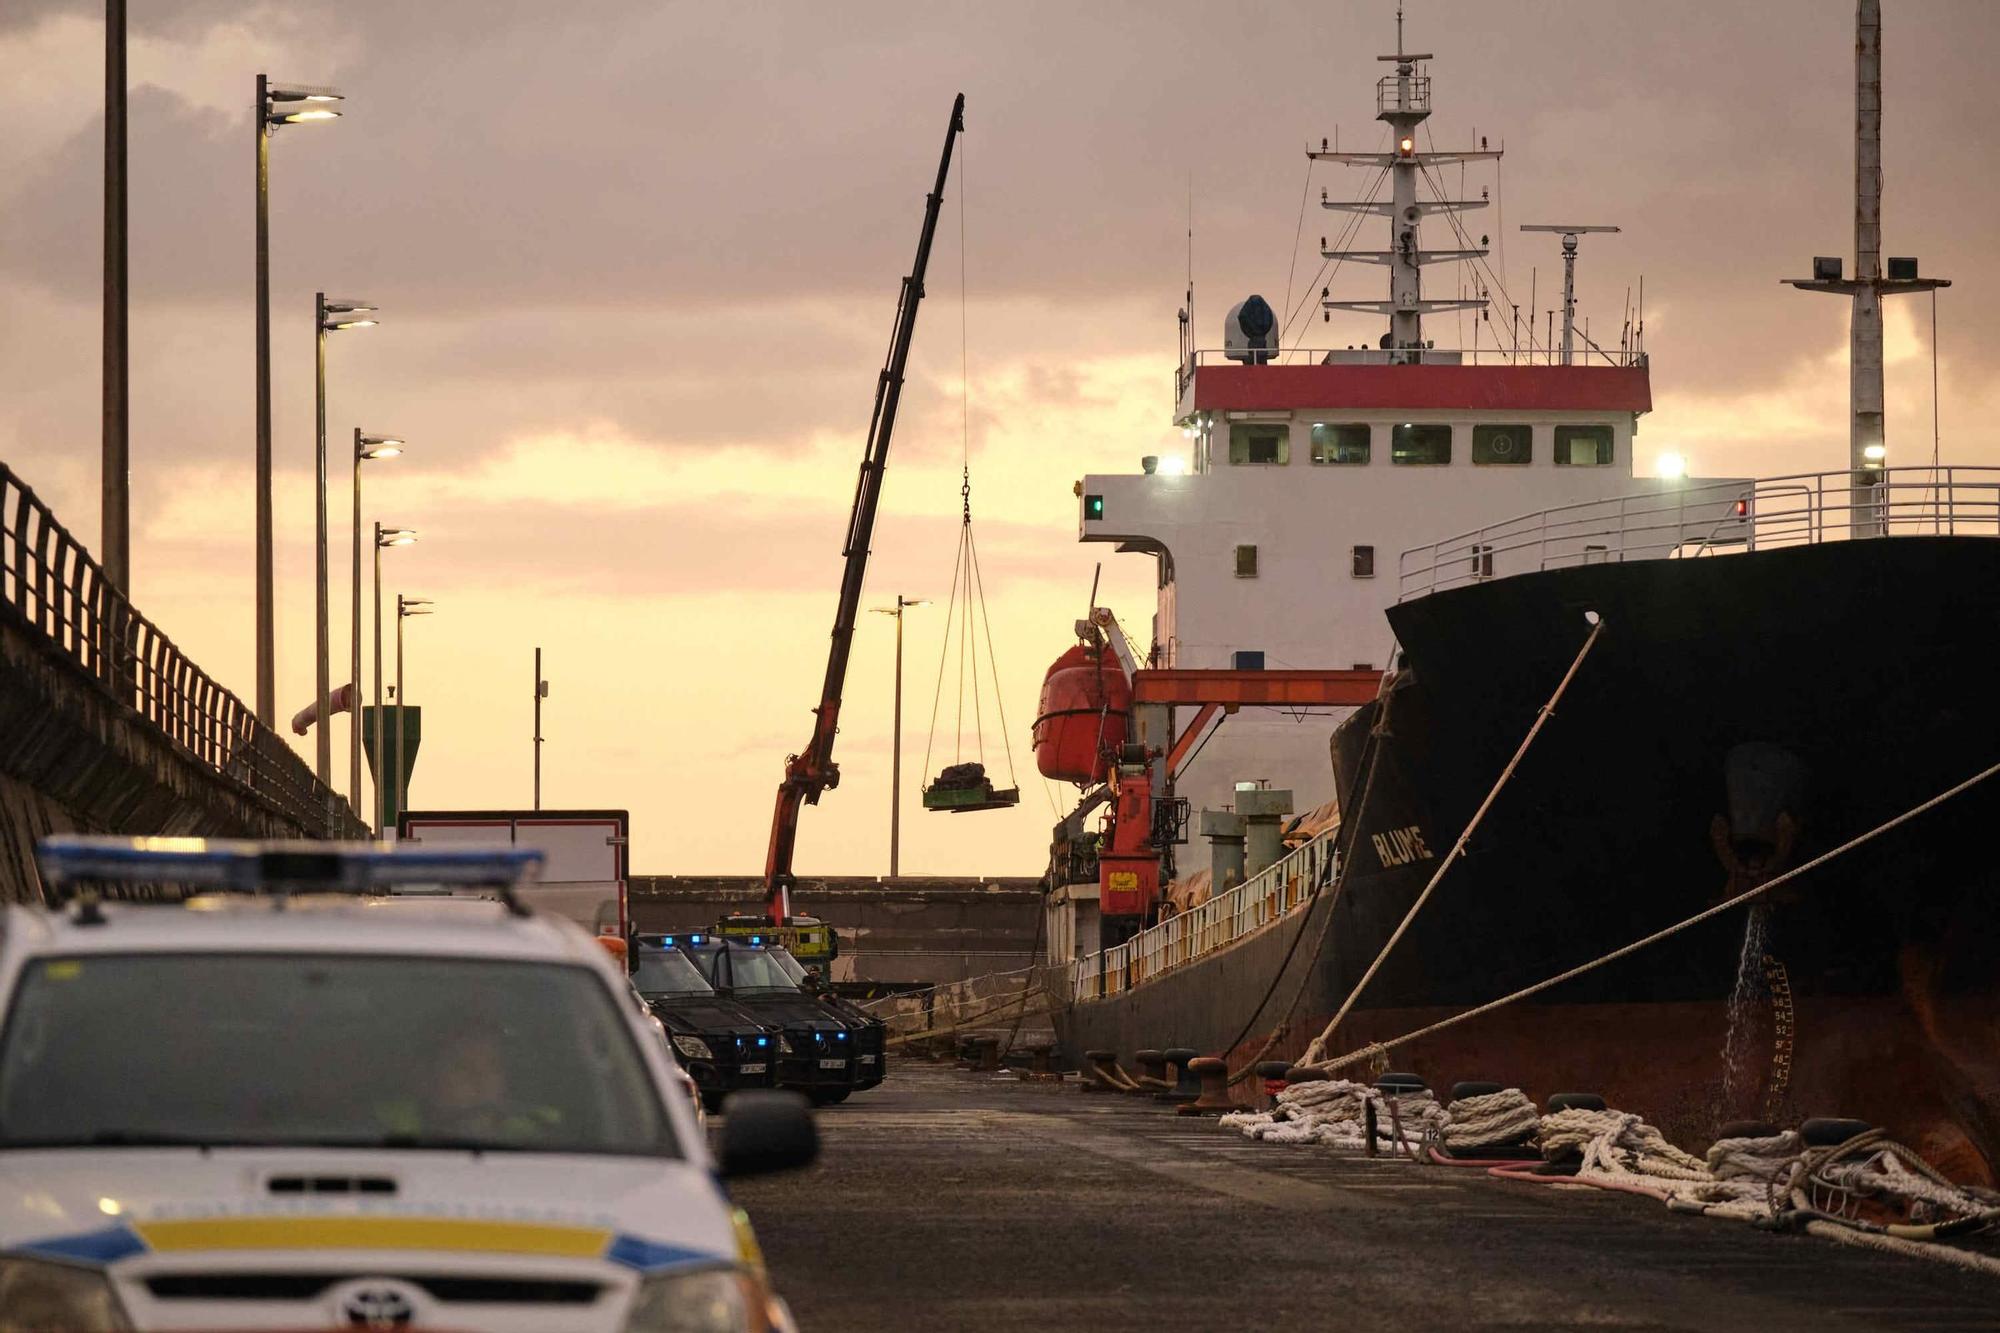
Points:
[(1312, 470)]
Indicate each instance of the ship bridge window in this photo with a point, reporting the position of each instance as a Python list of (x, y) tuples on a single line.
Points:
[(1259, 442), (1501, 444), (1583, 446), (1345, 443), (1415, 442)]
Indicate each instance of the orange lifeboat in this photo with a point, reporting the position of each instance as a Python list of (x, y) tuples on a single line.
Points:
[(1086, 711)]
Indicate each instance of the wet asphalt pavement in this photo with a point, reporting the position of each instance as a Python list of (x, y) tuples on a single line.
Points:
[(948, 1200)]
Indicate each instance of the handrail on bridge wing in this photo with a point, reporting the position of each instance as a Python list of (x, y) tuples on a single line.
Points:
[(1685, 520)]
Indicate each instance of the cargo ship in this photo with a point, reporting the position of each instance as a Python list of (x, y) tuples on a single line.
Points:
[(1775, 668)]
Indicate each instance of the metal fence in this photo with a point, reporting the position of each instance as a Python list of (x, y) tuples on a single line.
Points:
[(1266, 897), (51, 585), (1715, 518), (1012, 1006)]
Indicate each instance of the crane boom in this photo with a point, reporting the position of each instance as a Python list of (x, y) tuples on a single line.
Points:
[(812, 771)]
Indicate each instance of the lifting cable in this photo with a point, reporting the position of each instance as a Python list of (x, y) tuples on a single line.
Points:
[(965, 608)]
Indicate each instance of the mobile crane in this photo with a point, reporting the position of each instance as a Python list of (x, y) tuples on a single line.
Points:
[(812, 772)]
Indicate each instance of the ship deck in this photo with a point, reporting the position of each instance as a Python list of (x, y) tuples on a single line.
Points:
[(972, 1201)]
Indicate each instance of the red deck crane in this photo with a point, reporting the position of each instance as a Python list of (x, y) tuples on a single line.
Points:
[(812, 771)]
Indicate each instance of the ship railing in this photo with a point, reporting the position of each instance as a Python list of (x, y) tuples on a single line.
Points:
[(1403, 94), (1714, 518), (1259, 901), (1448, 356), (55, 591)]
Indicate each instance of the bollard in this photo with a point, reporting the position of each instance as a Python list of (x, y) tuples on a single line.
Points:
[(1272, 1073), (1575, 1101), (1825, 1131), (1214, 1097), (1306, 1074), (986, 1055), (966, 1049), (1186, 1086), (1098, 1071), (1152, 1065), (1040, 1060), (1747, 1129), (1478, 1087)]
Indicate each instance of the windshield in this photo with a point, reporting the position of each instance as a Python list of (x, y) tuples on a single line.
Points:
[(335, 1050), (668, 972), (757, 969), (789, 965)]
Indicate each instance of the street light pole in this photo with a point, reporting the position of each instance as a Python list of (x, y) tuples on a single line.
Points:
[(267, 630), (354, 645), (116, 543), (383, 537), (366, 449), (269, 116), (323, 740), (375, 741), (541, 693), (896, 754), (405, 608), (328, 317)]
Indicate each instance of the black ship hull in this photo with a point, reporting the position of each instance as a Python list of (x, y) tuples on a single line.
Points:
[(1738, 717)]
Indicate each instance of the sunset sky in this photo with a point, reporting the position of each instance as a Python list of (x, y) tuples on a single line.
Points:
[(637, 263)]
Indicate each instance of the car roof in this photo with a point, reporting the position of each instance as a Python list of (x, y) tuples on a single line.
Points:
[(304, 923)]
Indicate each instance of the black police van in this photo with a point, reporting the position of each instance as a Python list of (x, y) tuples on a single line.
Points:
[(870, 1033), (722, 1045), (817, 1046)]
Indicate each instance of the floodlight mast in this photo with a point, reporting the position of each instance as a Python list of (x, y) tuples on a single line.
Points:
[(1569, 233)]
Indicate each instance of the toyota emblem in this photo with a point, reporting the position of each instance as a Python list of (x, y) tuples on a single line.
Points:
[(378, 1308)]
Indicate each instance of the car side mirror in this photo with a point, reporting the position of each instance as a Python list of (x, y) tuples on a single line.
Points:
[(765, 1131)]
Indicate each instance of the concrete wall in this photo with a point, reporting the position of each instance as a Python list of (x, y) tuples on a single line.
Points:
[(908, 930), (74, 759)]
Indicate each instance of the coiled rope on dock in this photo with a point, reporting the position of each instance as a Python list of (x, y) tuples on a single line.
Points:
[(1334, 1112), (1500, 1119)]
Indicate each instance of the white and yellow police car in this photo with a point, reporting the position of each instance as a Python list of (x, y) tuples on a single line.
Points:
[(261, 1104)]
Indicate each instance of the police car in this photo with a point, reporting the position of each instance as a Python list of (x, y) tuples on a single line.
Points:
[(265, 1105)]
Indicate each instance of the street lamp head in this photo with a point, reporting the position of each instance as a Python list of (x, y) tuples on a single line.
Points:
[(379, 446), (302, 92), (302, 116), (412, 606), (396, 537), (347, 315)]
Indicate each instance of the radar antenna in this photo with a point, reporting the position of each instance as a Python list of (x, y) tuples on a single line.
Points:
[(1569, 233)]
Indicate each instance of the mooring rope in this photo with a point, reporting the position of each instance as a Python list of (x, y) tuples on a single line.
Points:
[(1730, 904), (1317, 1049)]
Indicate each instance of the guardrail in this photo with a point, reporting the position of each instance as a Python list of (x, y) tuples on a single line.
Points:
[(1266, 897), (1714, 518), (51, 584), (1535, 355)]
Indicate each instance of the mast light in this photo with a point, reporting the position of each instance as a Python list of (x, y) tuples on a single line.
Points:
[(1406, 146)]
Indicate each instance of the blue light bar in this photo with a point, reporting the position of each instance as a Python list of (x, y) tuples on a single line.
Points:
[(694, 939), (668, 940), (243, 866)]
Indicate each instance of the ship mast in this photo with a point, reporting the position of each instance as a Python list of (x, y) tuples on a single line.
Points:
[(1867, 436), (1403, 102)]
